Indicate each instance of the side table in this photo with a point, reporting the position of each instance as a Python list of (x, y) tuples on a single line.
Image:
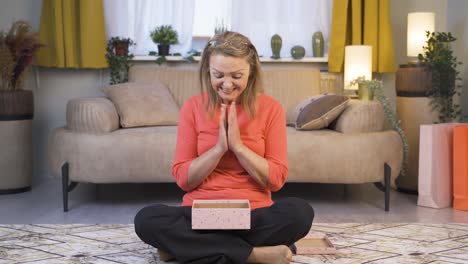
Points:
[(413, 112)]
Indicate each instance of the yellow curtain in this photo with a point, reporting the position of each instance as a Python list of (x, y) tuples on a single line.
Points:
[(362, 22), (74, 33)]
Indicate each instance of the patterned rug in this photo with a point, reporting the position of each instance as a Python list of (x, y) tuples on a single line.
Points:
[(356, 243)]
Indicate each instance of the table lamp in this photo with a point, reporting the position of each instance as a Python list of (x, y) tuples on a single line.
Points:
[(411, 78), (358, 62), (418, 24)]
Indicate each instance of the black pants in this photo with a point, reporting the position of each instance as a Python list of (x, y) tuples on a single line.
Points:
[(169, 229)]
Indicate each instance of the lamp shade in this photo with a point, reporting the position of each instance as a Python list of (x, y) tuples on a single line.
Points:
[(418, 24), (358, 62)]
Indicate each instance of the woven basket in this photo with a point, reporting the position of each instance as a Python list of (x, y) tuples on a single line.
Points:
[(16, 105)]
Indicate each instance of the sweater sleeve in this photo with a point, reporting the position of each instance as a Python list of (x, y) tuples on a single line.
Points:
[(186, 146), (276, 152)]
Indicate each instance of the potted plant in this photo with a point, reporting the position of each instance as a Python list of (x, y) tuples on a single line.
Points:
[(375, 87), (164, 36), (119, 59), (17, 49), (121, 45), (442, 64)]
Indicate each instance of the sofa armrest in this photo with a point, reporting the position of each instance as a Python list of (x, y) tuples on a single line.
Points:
[(360, 117), (92, 115)]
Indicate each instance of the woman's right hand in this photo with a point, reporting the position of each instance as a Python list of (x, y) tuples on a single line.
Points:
[(222, 145)]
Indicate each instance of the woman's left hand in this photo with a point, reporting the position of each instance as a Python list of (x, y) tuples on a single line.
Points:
[(234, 139)]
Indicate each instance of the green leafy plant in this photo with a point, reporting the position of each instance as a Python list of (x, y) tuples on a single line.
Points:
[(191, 55), (442, 65), (377, 87), (164, 35), (17, 49), (119, 58)]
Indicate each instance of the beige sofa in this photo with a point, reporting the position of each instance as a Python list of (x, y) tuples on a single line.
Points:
[(93, 148)]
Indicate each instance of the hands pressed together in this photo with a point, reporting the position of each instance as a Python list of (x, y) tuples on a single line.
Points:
[(229, 135)]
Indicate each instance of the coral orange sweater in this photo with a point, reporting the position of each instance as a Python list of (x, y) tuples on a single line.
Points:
[(265, 135)]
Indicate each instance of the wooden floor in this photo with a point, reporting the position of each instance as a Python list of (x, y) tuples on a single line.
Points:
[(118, 203)]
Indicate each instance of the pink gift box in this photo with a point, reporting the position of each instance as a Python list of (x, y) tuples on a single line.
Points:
[(221, 214)]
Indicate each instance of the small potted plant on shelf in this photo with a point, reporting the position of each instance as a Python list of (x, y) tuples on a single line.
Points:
[(375, 87), (119, 58), (164, 36), (442, 65), (121, 45)]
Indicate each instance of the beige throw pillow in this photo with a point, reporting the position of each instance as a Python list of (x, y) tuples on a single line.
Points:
[(317, 112), (141, 104)]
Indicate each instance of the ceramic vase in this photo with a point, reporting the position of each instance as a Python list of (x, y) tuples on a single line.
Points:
[(364, 93), (297, 52), (276, 44), (318, 44)]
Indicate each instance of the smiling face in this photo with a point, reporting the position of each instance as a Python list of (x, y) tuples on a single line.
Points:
[(229, 76)]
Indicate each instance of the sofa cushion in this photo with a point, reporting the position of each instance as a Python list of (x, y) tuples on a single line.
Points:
[(92, 115), (141, 104), (360, 117), (291, 86), (317, 112)]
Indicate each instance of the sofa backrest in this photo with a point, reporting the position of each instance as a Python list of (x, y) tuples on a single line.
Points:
[(288, 86)]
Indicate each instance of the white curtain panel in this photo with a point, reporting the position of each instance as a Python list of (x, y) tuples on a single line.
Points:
[(135, 19), (294, 20)]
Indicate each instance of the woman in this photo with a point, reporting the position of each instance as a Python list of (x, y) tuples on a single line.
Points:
[(231, 144)]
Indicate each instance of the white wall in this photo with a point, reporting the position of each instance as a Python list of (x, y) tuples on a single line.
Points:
[(12, 10), (457, 23), (57, 86)]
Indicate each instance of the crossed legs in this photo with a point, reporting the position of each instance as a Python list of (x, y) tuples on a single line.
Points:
[(273, 229)]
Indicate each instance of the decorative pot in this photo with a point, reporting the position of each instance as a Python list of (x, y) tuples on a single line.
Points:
[(317, 44), (297, 52), (121, 49), (163, 49), (364, 93), (16, 114), (276, 44)]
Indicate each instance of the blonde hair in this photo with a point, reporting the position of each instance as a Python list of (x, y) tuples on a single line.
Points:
[(236, 45)]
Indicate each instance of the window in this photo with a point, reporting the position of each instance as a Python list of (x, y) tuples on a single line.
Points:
[(294, 20), (208, 15)]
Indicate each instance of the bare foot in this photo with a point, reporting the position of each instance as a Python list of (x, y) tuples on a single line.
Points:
[(272, 255), (164, 256)]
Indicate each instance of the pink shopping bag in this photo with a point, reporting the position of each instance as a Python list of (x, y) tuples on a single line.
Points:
[(435, 165)]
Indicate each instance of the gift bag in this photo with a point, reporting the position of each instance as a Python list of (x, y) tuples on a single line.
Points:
[(435, 165)]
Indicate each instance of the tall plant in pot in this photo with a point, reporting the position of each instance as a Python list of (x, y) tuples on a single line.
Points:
[(17, 49), (441, 63), (164, 36)]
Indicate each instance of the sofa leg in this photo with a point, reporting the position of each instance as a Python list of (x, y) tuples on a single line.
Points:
[(386, 188), (65, 187)]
